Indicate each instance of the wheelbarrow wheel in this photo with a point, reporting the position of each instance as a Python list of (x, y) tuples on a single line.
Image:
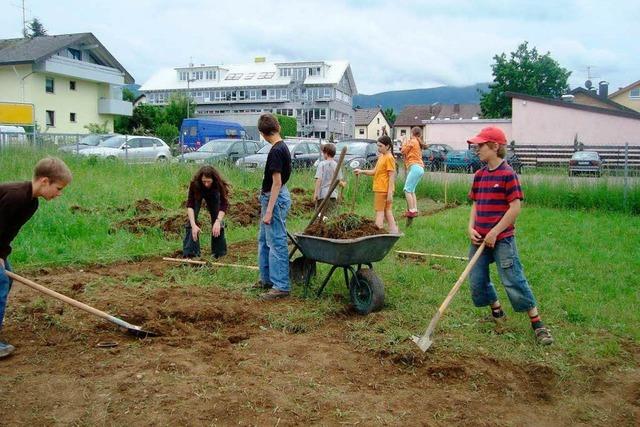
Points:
[(367, 292)]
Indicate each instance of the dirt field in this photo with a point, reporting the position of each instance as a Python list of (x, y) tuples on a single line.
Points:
[(219, 363)]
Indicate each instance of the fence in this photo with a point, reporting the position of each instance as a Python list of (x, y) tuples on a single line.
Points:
[(39, 139), (613, 157)]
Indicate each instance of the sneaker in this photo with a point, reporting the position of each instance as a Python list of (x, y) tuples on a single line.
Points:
[(261, 285), (6, 349), (274, 294), (543, 336), (412, 214), (500, 322)]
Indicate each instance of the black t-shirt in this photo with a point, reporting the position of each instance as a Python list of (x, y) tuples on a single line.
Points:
[(278, 160)]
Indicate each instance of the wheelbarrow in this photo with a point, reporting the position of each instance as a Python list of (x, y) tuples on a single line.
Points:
[(366, 289)]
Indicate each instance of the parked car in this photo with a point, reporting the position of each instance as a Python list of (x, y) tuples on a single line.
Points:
[(433, 159), (131, 148), (91, 140), (303, 154), (466, 160), (443, 148), (12, 135), (585, 162), (221, 150), (514, 162), (361, 153)]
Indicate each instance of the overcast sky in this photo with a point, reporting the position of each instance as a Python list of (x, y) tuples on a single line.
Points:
[(392, 44)]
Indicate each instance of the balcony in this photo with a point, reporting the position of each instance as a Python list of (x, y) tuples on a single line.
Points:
[(115, 107), (80, 70)]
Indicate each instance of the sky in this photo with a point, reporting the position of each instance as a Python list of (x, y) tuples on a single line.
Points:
[(391, 45)]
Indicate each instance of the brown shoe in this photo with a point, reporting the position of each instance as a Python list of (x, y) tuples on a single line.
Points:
[(274, 294), (261, 285)]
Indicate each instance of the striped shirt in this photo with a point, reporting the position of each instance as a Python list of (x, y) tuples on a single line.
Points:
[(493, 190)]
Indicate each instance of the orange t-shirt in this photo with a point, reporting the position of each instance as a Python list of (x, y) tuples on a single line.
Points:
[(412, 153), (386, 163)]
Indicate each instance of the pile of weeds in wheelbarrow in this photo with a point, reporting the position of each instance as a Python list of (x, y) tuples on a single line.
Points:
[(345, 226)]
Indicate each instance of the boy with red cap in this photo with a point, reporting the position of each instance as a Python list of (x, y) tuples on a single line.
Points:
[(496, 196)]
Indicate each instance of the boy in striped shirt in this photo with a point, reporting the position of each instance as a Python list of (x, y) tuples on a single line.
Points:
[(496, 196)]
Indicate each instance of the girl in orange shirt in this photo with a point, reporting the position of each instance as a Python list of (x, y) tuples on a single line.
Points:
[(412, 154), (384, 183)]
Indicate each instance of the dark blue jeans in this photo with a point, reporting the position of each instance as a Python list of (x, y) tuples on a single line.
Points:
[(505, 255), (5, 287), (273, 252)]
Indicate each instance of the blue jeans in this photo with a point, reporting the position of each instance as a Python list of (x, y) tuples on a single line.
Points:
[(273, 252), (5, 287), (505, 255)]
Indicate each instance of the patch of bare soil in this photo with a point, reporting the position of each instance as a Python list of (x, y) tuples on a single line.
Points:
[(173, 224), (220, 362), (344, 226)]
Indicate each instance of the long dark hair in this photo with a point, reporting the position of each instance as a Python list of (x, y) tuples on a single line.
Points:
[(219, 182), (385, 140)]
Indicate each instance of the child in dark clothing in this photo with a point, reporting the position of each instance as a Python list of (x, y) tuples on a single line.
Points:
[(207, 185), (18, 203)]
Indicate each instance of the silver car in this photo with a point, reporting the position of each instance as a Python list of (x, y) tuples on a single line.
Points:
[(588, 162), (91, 140), (131, 148)]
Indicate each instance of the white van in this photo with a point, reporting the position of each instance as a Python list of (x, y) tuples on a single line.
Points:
[(12, 135)]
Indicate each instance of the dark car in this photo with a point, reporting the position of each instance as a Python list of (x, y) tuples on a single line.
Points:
[(361, 153), (221, 150), (433, 159), (303, 154), (588, 162), (466, 160), (443, 148)]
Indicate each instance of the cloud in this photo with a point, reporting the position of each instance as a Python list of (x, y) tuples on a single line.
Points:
[(390, 44)]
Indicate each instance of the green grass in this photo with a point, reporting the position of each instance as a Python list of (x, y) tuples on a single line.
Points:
[(582, 264)]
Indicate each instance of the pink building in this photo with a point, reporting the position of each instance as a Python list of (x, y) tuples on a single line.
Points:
[(456, 132)]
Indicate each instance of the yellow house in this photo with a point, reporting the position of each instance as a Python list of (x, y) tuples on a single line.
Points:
[(370, 123), (71, 79), (628, 96)]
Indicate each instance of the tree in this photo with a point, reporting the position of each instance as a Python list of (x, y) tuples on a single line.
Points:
[(167, 132), (526, 72), (97, 127), (390, 115), (176, 109), (145, 118), (35, 29), (288, 125)]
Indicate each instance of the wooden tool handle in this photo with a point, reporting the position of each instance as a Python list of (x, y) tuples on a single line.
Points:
[(453, 291), (63, 298)]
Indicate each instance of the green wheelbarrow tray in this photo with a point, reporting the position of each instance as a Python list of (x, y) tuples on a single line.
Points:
[(365, 288)]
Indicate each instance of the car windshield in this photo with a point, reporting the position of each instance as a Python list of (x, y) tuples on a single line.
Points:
[(459, 152), (353, 148), (266, 148), (93, 139), (586, 155), (113, 142), (216, 146)]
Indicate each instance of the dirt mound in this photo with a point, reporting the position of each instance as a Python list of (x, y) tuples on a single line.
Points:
[(345, 226), (298, 190), (245, 206), (141, 224), (146, 206)]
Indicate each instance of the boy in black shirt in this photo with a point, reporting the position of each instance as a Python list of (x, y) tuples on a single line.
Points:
[(18, 203), (275, 201)]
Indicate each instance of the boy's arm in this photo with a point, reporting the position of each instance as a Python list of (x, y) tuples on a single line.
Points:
[(275, 191), (475, 237), (508, 219)]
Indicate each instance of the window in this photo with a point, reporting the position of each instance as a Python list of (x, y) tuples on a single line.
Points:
[(326, 92), (193, 131), (634, 93), (361, 131), (253, 94), (72, 85), (378, 132), (283, 94), (263, 93), (210, 75), (147, 142), (378, 120), (72, 117), (314, 71), (265, 75), (233, 76), (51, 118), (403, 132), (286, 72), (75, 54), (272, 94), (49, 85)]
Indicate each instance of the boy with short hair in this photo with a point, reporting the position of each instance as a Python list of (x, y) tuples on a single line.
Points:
[(18, 203), (324, 173), (496, 196), (275, 202)]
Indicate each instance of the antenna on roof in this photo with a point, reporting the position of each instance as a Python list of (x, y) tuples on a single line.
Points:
[(24, 21)]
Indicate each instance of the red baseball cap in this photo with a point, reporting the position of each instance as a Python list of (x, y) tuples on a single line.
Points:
[(489, 134)]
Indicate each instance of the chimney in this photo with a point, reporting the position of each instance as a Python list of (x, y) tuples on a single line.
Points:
[(603, 91), (259, 59), (568, 98)]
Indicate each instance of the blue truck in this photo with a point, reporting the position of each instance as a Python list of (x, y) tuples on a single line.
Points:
[(194, 133)]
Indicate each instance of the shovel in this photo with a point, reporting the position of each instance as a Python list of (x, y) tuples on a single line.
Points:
[(425, 341), (134, 330)]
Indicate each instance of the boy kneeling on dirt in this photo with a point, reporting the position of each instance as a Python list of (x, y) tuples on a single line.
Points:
[(324, 174), (496, 196), (18, 203)]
